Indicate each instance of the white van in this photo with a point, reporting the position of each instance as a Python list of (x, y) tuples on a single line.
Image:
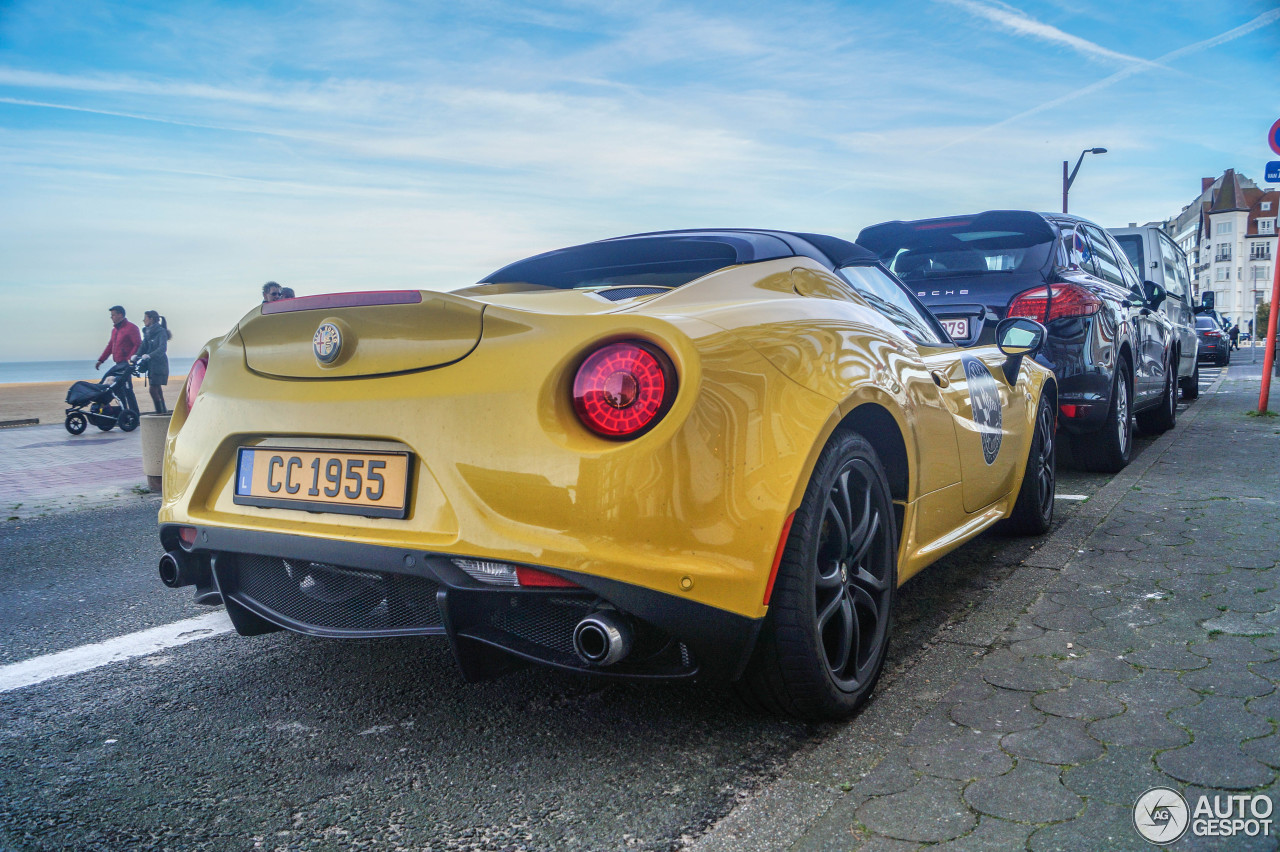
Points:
[(1157, 258)]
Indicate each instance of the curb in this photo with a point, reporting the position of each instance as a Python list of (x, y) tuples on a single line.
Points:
[(788, 812)]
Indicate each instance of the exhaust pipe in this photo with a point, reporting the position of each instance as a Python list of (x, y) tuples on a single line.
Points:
[(179, 569), (602, 638)]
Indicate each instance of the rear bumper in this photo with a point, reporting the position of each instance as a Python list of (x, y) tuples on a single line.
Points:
[(343, 589), (1083, 401), (1213, 353)]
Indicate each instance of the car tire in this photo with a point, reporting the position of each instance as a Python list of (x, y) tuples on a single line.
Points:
[(823, 642), (128, 420), (1164, 416), (1033, 512), (76, 423), (1108, 450), (1191, 385)]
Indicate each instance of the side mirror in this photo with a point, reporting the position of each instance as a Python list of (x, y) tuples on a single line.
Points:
[(1018, 337), (1154, 293)]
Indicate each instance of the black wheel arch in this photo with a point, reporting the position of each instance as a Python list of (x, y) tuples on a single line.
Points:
[(874, 423)]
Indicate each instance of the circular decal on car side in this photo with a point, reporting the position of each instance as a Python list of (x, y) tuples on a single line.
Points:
[(985, 397), (327, 343)]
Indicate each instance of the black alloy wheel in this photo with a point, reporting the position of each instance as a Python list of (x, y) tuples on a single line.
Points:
[(823, 643), (1108, 450), (76, 423), (1191, 385), (1033, 512), (1164, 416)]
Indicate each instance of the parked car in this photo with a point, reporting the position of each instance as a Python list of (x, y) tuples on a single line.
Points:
[(1113, 351), (697, 453), (1215, 346), (1156, 257)]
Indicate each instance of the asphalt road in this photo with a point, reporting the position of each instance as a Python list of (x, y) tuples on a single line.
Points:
[(289, 742)]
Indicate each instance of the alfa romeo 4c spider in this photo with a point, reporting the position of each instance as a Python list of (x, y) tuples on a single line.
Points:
[(668, 456)]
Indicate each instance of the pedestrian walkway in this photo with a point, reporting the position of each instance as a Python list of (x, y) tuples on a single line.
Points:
[(1148, 657), (45, 469)]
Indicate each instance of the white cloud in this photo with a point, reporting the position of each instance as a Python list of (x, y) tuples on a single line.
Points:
[(1263, 20), (1019, 23)]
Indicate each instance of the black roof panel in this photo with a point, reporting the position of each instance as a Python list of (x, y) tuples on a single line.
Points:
[(671, 258)]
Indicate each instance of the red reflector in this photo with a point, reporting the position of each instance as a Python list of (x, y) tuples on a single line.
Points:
[(532, 577), (1068, 410), (195, 377), (1059, 302), (343, 300), (623, 389), (187, 535), (777, 557)]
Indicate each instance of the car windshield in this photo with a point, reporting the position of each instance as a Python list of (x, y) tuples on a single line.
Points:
[(945, 248)]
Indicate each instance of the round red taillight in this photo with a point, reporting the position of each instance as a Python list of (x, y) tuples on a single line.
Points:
[(194, 377), (623, 389)]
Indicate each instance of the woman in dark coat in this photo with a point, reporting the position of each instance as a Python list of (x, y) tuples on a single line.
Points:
[(155, 343)]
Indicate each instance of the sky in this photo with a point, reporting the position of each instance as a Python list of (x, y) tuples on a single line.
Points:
[(176, 155)]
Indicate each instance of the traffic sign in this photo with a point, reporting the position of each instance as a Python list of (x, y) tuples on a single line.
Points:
[(1273, 171), (1273, 137)]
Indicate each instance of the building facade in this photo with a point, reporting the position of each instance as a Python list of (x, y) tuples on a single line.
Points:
[(1229, 235)]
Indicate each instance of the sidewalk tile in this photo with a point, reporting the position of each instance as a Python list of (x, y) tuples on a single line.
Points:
[(1032, 792)]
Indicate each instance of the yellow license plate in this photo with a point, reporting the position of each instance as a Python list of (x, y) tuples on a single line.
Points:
[(360, 483)]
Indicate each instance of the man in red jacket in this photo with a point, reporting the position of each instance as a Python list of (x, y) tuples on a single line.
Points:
[(125, 340)]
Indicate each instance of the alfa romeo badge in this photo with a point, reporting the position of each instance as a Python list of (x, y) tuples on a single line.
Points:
[(327, 343)]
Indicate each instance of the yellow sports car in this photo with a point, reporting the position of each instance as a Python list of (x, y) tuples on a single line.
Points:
[(669, 455)]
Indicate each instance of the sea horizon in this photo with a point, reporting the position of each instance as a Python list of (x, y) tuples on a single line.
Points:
[(71, 370)]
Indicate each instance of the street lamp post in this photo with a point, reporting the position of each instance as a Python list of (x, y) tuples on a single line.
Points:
[(1067, 181)]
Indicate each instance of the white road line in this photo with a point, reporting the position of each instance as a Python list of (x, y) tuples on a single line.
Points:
[(87, 657), (1071, 496)]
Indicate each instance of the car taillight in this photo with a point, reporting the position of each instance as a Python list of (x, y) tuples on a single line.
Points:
[(623, 389), (194, 377), (532, 578), (1213, 334), (1057, 301)]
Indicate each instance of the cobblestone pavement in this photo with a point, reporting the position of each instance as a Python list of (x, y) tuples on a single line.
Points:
[(45, 469), (1150, 657)]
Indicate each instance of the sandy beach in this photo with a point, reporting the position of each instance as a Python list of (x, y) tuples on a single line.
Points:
[(47, 400)]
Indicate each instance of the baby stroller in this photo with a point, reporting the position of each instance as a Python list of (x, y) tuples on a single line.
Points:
[(104, 401)]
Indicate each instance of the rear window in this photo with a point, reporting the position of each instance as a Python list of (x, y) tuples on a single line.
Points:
[(1132, 245), (637, 262), (1205, 323), (946, 248)]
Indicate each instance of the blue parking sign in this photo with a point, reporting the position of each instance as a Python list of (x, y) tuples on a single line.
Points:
[(1273, 171)]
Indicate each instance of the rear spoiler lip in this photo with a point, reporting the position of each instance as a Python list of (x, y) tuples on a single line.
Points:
[(360, 299)]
